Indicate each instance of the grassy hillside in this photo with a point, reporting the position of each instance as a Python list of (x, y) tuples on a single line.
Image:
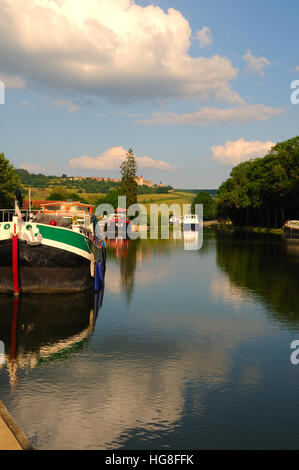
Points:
[(43, 193), (174, 197)]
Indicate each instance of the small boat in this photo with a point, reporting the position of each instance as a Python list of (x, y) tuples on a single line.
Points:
[(291, 229), (56, 250), (174, 220), (117, 224), (190, 222)]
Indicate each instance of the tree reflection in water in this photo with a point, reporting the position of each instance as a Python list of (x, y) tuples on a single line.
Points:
[(264, 267), (124, 252)]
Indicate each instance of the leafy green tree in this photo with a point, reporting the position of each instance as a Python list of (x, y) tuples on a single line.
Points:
[(263, 191), (33, 180), (209, 205), (143, 189), (9, 182), (110, 198), (58, 194), (87, 185), (128, 185), (61, 194)]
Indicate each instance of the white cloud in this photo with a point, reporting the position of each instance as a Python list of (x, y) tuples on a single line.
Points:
[(234, 152), (255, 64), (114, 49), (204, 36), (112, 158), (71, 107), (210, 115), (12, 81)]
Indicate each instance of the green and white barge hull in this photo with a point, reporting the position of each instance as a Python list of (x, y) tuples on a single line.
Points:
[(46, 257)]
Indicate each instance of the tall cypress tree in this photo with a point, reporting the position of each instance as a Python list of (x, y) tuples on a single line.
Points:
[(128, 185)]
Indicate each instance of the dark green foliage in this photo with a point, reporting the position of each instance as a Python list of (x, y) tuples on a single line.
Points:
[(212, 192), (9, 182), (110, 198), (61, 194), (92, 186), (264, 191), (87, 185), (128, 185), (153, 189), (163, 189), (33, 180), (209, 205), (253, 267)]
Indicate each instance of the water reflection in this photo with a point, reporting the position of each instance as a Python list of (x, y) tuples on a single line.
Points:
[(191, 240), (291, 249), (223, 290), (263, 269), (136, 388), (129, 254), (124, 252), (195, 359), (40, 329)]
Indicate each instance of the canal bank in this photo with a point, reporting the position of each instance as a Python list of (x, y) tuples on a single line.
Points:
[(11, 436), (245, 228)]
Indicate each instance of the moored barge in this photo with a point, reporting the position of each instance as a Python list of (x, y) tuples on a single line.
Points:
[(56, 250), (291, 230)]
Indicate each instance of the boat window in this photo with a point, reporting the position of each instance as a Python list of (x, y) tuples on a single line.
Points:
[(52, 208), (81, 208)]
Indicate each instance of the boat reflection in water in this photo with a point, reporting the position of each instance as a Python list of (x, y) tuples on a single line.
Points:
[(119, 246), (192, 241), (40, 329)]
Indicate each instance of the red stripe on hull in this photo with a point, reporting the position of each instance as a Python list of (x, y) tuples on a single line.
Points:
[(15, 273)]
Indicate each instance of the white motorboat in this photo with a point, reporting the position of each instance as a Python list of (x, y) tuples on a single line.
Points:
[(190, 222)]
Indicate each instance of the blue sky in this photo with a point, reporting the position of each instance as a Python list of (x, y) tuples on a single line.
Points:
[(192, 90)]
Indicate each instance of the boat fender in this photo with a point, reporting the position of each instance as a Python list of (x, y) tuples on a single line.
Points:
[(101, 272), (96, 278), (92, 265)]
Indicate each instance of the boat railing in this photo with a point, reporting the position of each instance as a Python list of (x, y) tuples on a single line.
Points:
[(6, 215), (67, 213)]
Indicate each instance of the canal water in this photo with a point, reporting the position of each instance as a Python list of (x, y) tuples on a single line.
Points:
[(183, 350)]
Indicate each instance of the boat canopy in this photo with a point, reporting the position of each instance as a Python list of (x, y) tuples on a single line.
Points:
[(67, 208)]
